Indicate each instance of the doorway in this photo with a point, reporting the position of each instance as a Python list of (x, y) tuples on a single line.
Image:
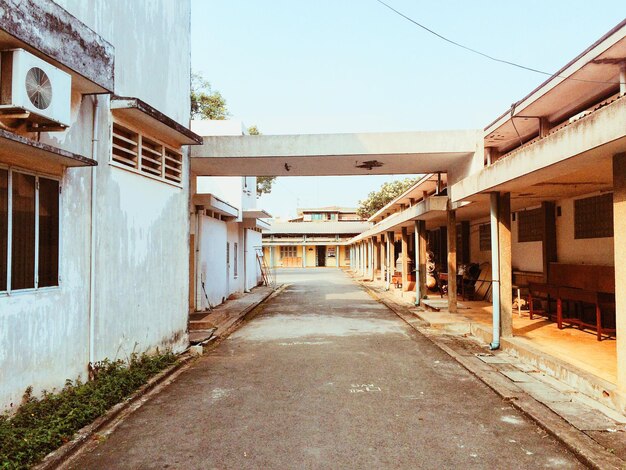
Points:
[(321, 255)]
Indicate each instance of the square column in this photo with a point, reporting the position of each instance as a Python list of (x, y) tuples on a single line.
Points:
[(506, 272), (451, 232), (391, 251), (383, 258), (619, 230), (420, 261), (405, 260), (304, 255), (375, 257), (337, 256)]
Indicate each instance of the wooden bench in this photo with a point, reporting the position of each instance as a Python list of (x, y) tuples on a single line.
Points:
[(580, 287)]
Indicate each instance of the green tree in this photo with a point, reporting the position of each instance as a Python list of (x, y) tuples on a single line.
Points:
[(263, 183), (206, 103), (376, 200)]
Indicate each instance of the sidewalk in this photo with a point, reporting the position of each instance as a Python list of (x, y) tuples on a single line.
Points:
[(597, 433), (223, 319)]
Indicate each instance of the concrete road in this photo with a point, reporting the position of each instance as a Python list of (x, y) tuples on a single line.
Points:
[(325, 377)]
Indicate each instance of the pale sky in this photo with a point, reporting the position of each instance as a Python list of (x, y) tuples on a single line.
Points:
[(332, 66)]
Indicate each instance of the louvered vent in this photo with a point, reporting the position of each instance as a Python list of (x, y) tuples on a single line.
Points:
[(125, 146), (173, 165), (151, 156), (134, 151)]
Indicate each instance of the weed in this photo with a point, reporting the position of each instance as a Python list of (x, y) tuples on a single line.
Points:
[(40, 425)]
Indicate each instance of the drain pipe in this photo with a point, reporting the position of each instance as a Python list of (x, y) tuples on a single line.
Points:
[(495, 270), (92, 260)]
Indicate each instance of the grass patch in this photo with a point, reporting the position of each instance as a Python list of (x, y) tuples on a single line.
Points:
[(41, 425)]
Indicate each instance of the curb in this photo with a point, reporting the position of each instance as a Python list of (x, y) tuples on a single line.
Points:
[(582, 446), (71, 449), (245, 313)]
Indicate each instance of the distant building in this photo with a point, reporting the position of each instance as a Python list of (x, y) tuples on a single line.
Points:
[(316, 238), (225, 232)]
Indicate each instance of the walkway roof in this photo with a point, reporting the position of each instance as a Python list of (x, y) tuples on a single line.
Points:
[(334, 154)]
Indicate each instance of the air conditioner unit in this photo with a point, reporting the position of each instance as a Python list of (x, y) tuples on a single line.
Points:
[(33, 90)]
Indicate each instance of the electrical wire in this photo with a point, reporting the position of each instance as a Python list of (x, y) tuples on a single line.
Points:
[(495, 59)]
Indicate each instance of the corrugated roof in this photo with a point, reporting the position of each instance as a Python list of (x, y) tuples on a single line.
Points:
[(313, 228)]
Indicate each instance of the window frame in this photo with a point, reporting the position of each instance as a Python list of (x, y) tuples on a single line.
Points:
[(138, 168), (6, 290), (288, 249)]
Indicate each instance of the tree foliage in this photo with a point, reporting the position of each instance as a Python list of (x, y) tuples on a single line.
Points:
[(206, 103), (263, 183), (209, 104), (376, 200)]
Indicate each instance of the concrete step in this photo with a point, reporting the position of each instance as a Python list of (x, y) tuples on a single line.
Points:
[(205, 324)]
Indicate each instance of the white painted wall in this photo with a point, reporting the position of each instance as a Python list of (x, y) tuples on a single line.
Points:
[(253, 271), (212, 262), (585, 251), (142, 225), (235, 235)]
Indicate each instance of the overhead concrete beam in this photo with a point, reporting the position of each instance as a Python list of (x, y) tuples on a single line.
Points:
[(575, 147), (428, 208), (334, 154)]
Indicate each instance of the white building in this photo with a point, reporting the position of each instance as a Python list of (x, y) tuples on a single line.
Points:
[(94, 188), (225, 230)]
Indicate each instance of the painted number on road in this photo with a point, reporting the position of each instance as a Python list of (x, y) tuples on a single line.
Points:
[(362, 388)]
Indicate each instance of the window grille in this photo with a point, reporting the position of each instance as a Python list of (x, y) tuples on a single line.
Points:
[(529, 226), (484, 233), (593, 217)]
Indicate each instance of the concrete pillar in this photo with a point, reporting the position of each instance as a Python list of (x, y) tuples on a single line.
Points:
[(337, 257), (506, 273), (362, 257), (304, 255), (451, 233), (405, 260), (619, 230), (375, 257), (548, 237), (420, 261), (383, 258), (272, 257), (370, 261), (391, 252)]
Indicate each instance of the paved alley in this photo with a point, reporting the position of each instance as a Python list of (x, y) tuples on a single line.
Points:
[(326, 377)]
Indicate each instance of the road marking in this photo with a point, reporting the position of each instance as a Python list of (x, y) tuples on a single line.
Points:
[(362, 388)]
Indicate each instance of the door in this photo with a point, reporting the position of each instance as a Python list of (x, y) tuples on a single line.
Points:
[(321, 256)]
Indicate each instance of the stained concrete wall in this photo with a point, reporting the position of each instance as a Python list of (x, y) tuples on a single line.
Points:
[(142, 225)]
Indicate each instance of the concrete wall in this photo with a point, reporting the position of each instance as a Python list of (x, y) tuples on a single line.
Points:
[(525, 256), (253, 270), (212, 262), (142, 225)]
